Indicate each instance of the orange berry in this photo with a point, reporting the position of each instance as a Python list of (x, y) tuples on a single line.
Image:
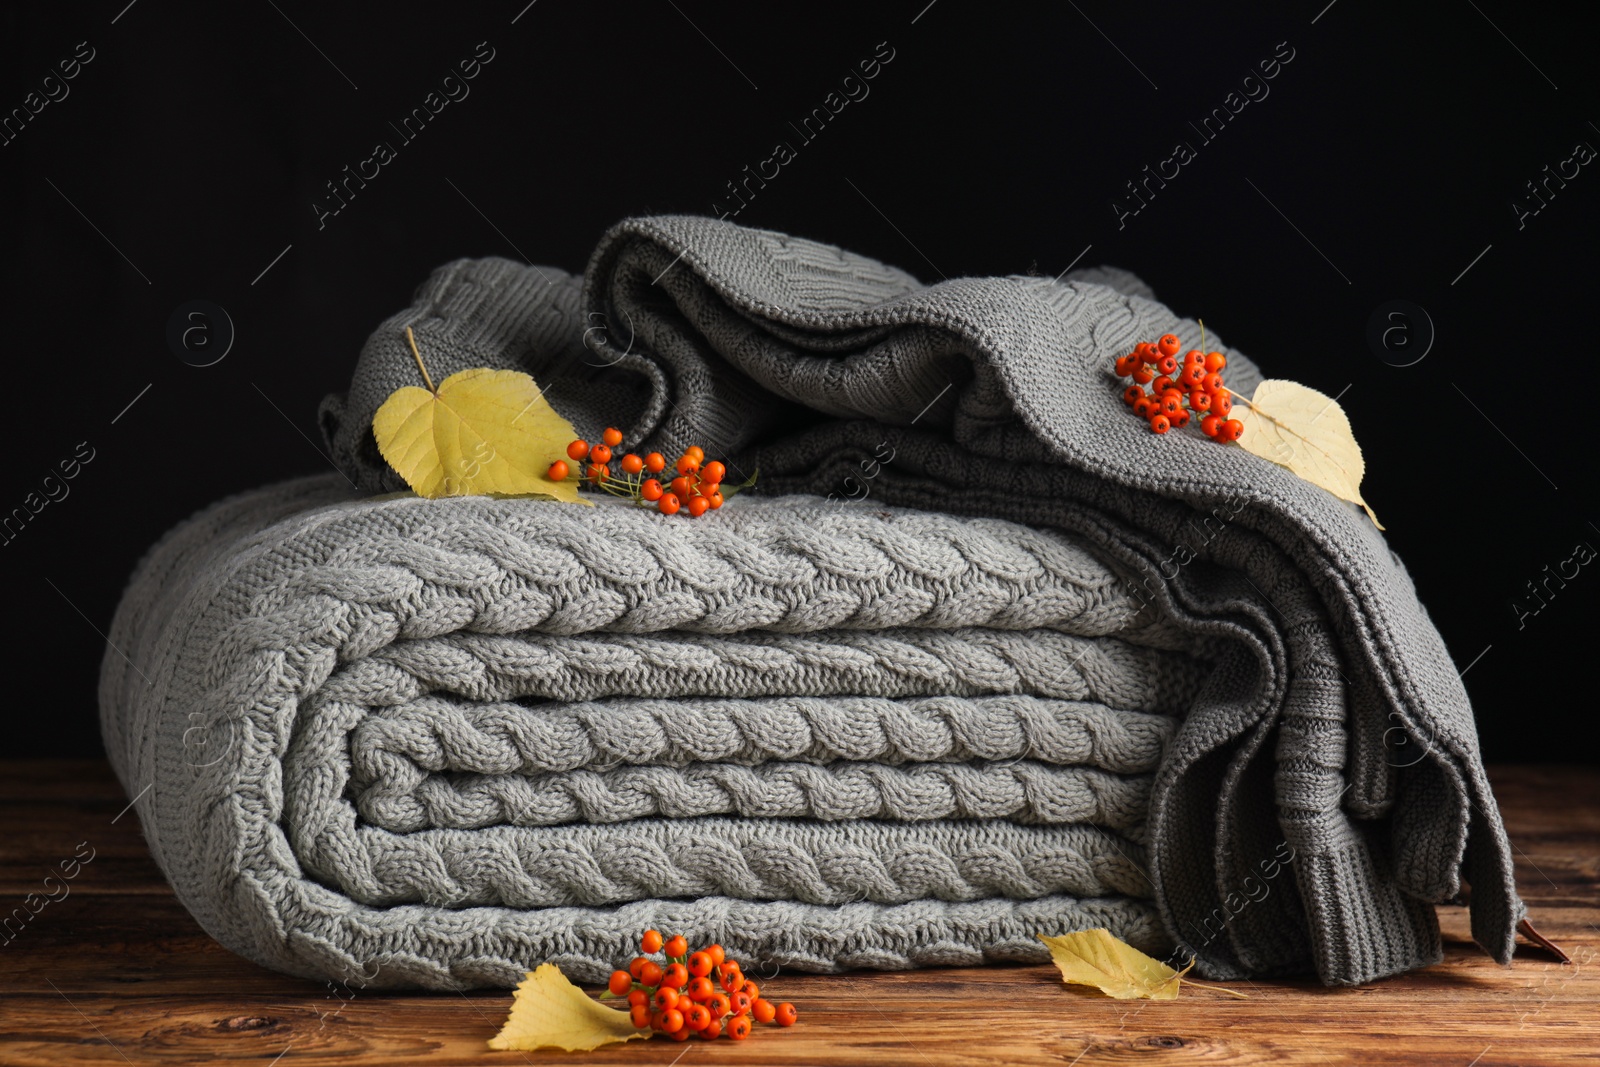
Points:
[(714, 950), (600, 454), (1125, 365), (1169, 344), (687, 463), (1222, 402), (1144, 406), (696, 451), (1200, 400), (669, 504), (682, 1035), (1179, 420), (578, 450), (655, 462), (739, 1028), (558, 471), (1194, 355), (1143, 375), (1231, 430), (681, 486), (763, 1009), (665, 998), (598, 472), (637, 998), (1171, 404), (1131, 394), (741, 1002), (612, 436), (675, 976), (640, 1015), (700, 965), (716, 499), (751, 990), (632, 463), (697, 1017), (698, 506), (1215, 361), (635, 965), (650, 973), (676, 947), (732, 980), (713, 1030), (712, 473), (1160, 424), (786, 1014), (1208, 425), (1212, 382), (1167, 365), (621, 983), (700, 989), (671, 1021), (651, 489), (1147, 352), (719, 1005), (1162, 384)]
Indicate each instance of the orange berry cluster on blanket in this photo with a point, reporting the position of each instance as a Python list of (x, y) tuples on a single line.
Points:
[(695, 490), (1174, 393), (681, 999)]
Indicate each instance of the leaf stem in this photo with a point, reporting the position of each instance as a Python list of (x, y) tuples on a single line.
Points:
[(413, 342), (1217, 988)]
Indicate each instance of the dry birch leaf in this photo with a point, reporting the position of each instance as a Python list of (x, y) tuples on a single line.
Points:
[(479, 432), (551, 1012), (1308, 433), (1116, 968)]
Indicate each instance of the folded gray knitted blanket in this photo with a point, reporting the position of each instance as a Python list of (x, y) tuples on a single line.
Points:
[(984, 659)]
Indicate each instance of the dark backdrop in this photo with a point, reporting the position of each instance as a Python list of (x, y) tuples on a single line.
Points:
[(1384, 160)]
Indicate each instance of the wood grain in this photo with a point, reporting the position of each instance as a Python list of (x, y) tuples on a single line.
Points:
[(116, 972)]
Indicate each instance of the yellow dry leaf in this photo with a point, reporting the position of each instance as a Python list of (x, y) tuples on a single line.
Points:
[(551, 1012), (1116, 968), (481, 431), (1308, 433)]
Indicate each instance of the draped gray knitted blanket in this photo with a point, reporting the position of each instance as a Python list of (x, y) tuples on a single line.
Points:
[(983, 659)]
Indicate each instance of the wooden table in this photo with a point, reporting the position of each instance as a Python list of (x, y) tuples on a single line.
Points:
[(116, 972)]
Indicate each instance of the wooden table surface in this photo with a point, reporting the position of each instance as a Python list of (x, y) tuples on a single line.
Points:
[(116, 973)]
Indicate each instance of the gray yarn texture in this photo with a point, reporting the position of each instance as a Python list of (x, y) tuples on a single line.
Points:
[(1032, 669)]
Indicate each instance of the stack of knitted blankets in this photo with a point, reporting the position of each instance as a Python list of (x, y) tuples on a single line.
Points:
[(979, 658)]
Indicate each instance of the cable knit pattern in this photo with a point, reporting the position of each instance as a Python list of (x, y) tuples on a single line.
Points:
[(1024, 792), (436, 733), (634, 758), (410, 727), (434, 743)]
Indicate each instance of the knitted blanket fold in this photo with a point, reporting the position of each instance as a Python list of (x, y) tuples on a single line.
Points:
[(984, 659)]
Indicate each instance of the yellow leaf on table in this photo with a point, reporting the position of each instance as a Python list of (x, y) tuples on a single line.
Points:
[(1097, 958), (1308, 433), (551, 1012), (482, 431)]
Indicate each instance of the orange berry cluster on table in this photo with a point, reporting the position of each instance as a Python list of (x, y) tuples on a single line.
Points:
[(681, 998), (1175, 392), (694, 486)]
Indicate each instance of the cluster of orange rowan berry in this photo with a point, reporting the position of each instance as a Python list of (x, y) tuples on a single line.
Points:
[(681, 999), (1196, 387), (696, 489)]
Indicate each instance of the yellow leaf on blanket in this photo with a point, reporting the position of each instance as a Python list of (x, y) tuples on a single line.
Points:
[(551, 1012), (479, 432), (1307, 432), (1116, 968)]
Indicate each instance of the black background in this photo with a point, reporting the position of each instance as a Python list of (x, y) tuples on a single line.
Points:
[(1383, 162)]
